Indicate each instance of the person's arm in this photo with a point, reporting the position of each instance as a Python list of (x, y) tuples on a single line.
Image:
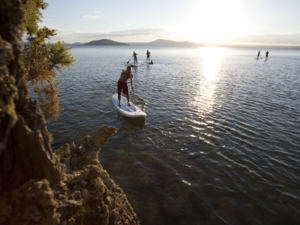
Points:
[(131, 80)]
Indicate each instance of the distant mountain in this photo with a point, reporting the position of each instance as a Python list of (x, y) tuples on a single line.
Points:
[(105, 42), (162, 42)]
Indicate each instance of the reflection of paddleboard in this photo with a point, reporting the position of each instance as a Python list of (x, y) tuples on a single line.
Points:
[(258, 58), (125, 109), (133, 64)]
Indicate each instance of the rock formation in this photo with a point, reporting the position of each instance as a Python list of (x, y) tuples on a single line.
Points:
[(38, 186)]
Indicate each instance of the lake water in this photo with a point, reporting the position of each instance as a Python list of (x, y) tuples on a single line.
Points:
[(220, 143)]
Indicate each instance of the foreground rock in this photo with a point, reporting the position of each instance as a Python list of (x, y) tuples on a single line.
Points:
[(85, 194), (38, 186)]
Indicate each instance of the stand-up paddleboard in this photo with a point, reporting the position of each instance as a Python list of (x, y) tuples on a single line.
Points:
[(133, 64), (125, 109), (149, 62)]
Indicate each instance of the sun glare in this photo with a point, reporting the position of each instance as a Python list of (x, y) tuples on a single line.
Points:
[(215, 20)]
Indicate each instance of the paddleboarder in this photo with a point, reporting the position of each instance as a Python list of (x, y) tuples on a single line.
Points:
[(267, 54), (258, 54), (135, 57), (122, 84), (148, 55)]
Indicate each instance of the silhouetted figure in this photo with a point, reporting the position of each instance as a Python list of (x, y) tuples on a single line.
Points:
[(135, 57), (148, 55)]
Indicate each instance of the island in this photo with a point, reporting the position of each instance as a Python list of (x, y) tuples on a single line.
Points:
[(105, 42)]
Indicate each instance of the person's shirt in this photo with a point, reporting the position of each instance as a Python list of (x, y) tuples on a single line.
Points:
[(134, 54)]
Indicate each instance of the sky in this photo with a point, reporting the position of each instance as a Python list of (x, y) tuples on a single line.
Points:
[(239, 22)]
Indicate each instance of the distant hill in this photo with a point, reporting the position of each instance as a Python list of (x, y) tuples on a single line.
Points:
[(162, 42), (105, 42)]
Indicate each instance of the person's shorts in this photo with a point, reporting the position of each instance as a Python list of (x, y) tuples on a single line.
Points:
[(123, 86)]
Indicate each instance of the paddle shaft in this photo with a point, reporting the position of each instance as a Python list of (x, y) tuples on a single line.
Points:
[(129, 59), (133, 96)]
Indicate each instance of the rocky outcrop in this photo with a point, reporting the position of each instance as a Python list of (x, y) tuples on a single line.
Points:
[(37, 185), (85, 194)]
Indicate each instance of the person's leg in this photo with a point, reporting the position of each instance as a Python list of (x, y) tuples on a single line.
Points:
[(126, 91), (128, 99)]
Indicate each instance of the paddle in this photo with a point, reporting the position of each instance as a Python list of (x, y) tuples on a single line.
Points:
[(133, 97), (129, 59)]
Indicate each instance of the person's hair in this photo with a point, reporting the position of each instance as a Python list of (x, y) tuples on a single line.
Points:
[(128, 67)]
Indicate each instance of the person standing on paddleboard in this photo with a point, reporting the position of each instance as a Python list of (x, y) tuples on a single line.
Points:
[(258, 54), (122, 84), (267, 54), (148, 55), (134, 57)]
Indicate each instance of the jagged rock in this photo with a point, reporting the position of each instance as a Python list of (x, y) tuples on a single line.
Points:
[(39, 186), (87, 182)]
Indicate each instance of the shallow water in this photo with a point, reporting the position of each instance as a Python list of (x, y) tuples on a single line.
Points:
[(220, 143)]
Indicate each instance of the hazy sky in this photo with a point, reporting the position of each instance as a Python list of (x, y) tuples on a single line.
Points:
[(202, 21)]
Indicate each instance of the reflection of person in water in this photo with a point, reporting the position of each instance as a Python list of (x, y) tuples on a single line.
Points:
[(267, 54), (135, 57), (258, 54)]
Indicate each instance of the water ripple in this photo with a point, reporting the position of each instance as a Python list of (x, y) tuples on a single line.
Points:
[(220, 143)]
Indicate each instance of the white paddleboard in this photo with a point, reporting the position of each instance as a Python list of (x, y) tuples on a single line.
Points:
[(125, 109), (133, 64)]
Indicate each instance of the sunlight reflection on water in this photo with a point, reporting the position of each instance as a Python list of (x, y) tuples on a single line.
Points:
[(210, 60)]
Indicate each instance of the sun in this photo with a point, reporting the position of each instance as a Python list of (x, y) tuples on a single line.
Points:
[(215, 20)]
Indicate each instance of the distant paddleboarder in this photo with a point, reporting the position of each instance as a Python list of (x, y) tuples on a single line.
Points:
[(135, 57), (122, 84), (267, 54), (148, 55), (258, 54)]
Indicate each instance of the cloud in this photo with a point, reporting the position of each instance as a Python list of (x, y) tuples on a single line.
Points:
[(125, 33), (64, 34), (143, 34), (97, 12), (48, 19), (91, 17)]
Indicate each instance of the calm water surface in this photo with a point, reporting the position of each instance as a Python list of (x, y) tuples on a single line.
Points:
[(220, 143)]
